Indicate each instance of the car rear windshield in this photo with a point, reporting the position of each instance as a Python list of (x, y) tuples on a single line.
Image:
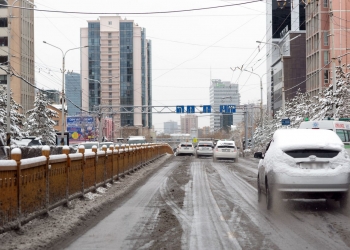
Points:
[(226, 146), (89, 146), (205, 145), (186, 145), (320, 153)]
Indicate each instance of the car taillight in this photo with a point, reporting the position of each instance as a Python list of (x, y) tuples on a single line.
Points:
[(179, 146), (217, 150), (234, 150)]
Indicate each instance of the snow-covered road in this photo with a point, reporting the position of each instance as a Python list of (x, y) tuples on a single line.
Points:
[(195, 203)]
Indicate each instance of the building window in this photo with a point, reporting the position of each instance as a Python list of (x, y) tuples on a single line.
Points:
[(109, 50), (109, 22), (3, 79), (110, 102), (325, 57), (325, 38), (110, 95), (56, 122), (110, 65), (3, 22), (109, 58), (110, 72), (3, 41), (109, 35), (110, 86), (110, 80), (326, 76), (109, 42), (325, 3)]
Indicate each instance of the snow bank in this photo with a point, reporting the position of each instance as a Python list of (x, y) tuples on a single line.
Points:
[(8, 163), (57, 157), (101, 153), (16, 151), (76, 156), (46, 148), (89, 154), (33, 160), (66, 147), (292, 139)]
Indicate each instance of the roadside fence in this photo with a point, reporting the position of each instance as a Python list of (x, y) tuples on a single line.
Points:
[(49, 181)]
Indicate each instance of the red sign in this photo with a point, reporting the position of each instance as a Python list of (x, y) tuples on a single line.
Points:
[(339, 125)]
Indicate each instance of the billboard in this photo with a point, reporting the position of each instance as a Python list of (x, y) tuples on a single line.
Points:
[(80, 128)]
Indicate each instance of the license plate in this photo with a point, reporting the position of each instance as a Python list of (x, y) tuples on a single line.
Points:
[(313, 165), (225, 150), (185, 148), (205, 148)]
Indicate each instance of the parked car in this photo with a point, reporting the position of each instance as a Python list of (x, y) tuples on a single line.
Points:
[(29, 141), (304, 163), (204, 148), (185, 148), (225, 150)]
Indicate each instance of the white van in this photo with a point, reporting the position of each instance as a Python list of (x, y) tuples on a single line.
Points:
[(341, 128)]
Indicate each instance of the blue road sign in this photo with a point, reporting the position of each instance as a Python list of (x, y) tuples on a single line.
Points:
[(222, 108), (180, 109), (285, 121), (227, 108), (231, 109), (191, 109), (206, 109)]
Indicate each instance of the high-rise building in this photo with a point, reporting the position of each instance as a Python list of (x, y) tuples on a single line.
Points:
[(117, 68), (319, 41), (170, 127), (206, 131), (222, 93), (22, 50), (73, 93), (284, 21), (189, 123)]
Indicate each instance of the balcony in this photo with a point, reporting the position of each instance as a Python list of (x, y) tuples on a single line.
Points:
[(105, 59), (109, 53)]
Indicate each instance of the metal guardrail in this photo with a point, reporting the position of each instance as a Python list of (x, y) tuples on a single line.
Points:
[(47, 182)]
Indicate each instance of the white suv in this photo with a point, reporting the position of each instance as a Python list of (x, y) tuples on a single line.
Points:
[(185, 148), (225, 150)]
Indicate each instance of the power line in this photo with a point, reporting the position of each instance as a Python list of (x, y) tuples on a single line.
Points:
[(132, 13)]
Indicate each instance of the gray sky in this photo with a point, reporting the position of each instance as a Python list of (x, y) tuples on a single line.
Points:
[(185, 46)]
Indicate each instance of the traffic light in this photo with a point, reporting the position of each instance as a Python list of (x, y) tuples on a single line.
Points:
[(306, 119)]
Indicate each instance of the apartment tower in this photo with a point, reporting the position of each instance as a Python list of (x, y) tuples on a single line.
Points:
[(117, 68), (22, 51), (319, 42)]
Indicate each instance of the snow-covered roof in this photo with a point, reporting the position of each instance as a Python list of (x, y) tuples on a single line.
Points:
[(293, 139)]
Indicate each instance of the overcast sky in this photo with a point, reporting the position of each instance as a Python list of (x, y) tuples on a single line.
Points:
[(188, 48)]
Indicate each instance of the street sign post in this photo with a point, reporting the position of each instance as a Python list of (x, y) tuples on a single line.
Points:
[(180, 109), (285, 121), (206, 109), (191, 109)]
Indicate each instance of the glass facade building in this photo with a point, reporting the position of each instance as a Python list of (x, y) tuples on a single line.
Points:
[(149, 80), (73, 92), (143, 74), (126, 70), (94, 65)]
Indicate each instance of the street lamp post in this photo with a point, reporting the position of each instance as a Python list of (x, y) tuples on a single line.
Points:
[(63, 97), (282, 62)]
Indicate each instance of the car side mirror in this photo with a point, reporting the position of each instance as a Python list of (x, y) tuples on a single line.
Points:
[(258, 155)]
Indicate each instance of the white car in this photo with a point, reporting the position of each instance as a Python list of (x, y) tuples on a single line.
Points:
[(185, 148), (204, 148), (304, 163), (225, 150)]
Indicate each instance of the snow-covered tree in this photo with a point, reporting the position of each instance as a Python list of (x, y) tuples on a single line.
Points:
[(314, 108), (16, 118), (40, 122)]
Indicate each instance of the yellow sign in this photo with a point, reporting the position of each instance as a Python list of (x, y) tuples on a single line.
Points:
[(194, 140), (75, 135)]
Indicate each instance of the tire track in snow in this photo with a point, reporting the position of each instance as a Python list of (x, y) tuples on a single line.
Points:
[(282, 228), (208, 230)]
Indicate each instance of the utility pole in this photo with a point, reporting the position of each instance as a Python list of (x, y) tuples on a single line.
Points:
[(246, 126), (100, 127), (252, 124), (334, 81)]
